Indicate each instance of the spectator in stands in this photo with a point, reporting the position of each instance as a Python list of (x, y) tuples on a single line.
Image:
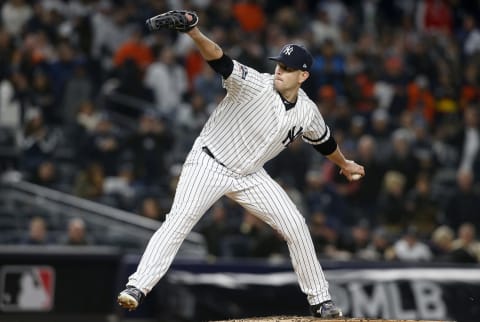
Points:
[(467, 240), (323, 29), (446, 104), (122, 188), (469, 36), (420, 100), (365, 198), (410, 248), (466, 141), (43, 97), (381, 131), (149, 147), (38, 144), (150, 208), (422, 209), (79, 87), (14, 100), (329, 67), (295, 194), (6, 53), (44, 23), (324, 234), (104, 146), (462, 206), (77, 233), (423, 148), (321, 195), (37, 232), (379, 248), (62, 68), (86, 120), (168, 81), (47, 175), (208, 84), (250, 14), (255, 239), (335, 9), (391, 211), (434, 16), (251, 52), (15, 13), (292, 164), (443, 249), (125, 92), (270, 245), (89, 182), (241, 242), (111, 27), (470, 87), (356, 238), (441, 243), (135, 49), (422, 59), (189, 121), (215, 228), (402, 159)]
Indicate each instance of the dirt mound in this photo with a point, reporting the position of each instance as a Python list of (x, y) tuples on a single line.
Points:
[(310, 319)]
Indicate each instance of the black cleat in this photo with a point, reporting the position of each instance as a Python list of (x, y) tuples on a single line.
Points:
[(325, 310), (130, 298)]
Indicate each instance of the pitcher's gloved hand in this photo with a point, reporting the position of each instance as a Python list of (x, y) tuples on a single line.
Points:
[(173, 20)]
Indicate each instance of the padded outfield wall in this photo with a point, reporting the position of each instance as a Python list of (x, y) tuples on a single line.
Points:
[(79, 284)]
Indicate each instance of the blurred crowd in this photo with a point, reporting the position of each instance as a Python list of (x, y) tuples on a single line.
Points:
[(94, 105)]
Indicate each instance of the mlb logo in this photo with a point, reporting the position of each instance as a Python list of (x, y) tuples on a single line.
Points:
[(26, 288)]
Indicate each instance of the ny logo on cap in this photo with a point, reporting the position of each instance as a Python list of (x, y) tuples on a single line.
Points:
[(288, 50)]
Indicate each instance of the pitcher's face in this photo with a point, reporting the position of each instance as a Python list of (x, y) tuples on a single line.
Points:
[(287, 79)]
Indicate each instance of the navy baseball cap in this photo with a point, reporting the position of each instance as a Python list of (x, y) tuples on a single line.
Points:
[(294, 56)]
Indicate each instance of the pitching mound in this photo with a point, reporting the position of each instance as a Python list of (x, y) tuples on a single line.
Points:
[(310, 319)]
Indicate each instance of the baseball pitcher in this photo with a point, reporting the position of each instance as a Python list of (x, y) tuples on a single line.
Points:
[(258, 118)]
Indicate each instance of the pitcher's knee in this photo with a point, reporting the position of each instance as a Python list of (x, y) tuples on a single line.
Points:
[(179, 224), (296, 230)]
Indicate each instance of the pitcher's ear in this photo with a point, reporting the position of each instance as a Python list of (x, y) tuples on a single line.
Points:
[(304, 76)]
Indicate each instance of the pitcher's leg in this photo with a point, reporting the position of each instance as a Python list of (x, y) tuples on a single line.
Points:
[(199, 187), (264, 197)]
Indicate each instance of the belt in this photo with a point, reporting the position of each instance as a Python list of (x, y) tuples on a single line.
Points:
[(210, 154)]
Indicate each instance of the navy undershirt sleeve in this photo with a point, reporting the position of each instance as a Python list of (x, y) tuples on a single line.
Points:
[(327, 147), (223, 65)]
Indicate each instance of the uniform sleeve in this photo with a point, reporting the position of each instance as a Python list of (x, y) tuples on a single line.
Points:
[(245, 83), (317, 132)]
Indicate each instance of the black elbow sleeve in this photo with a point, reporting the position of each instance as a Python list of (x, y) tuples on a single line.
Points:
[(223, 66), (327, 147)]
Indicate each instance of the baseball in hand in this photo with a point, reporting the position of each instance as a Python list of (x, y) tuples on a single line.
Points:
[(356, 176)]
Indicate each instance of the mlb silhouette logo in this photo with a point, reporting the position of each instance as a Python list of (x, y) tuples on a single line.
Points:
[(26, 288)]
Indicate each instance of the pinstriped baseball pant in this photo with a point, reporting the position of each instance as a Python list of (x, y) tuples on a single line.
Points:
[(202, 182)]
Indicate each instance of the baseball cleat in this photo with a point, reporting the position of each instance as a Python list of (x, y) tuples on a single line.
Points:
[(326, 310), (130, 298)]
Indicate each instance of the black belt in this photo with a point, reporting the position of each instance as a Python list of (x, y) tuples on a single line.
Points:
[(210, 154)]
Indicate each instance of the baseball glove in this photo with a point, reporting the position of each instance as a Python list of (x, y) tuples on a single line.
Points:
[(173, 20)]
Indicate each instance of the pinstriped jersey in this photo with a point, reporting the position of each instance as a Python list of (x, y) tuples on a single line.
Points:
[(251, 125)]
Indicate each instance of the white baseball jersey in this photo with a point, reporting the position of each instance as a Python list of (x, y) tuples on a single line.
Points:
[(248, 128), (251, 125)]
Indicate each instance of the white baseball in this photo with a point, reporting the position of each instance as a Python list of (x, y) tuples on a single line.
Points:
[(356, 176)]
